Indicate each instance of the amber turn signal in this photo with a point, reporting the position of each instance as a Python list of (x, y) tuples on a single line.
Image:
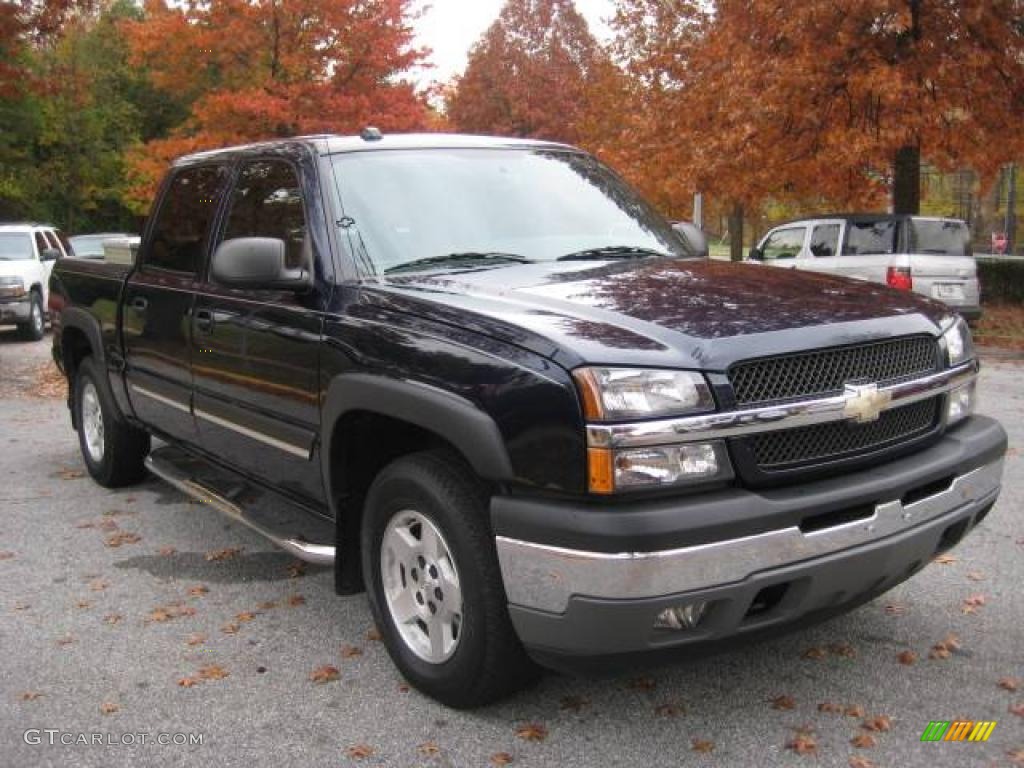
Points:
[(599, 470)]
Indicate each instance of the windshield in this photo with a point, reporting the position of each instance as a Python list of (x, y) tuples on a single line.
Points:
[(538, 205), (947, 237), (15, 246)]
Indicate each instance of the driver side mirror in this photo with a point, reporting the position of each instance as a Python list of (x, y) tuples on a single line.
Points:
[(692, 236), (49, 254), (755, 254), (257, 262)]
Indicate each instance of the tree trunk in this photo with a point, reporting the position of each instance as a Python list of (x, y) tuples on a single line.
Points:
[(1011, 209), (906, 182), (736, 232)]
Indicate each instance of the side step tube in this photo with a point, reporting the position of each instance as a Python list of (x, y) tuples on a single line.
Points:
[(320, 554)]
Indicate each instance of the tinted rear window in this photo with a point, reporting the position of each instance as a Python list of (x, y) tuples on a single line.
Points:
[(949, 238), (865, 237)]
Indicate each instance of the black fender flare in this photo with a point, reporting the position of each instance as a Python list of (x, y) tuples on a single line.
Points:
[(470, 430), (82, 320)]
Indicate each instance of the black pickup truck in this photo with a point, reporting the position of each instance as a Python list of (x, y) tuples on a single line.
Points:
[(488, 384)]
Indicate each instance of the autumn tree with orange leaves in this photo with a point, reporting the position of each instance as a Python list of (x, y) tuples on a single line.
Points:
[(529, 73), (258, 69), (765, 99)]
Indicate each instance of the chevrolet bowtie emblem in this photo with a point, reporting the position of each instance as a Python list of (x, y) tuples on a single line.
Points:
[(864, 402)]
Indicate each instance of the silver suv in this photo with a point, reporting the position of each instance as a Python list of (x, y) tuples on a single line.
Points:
[(931, 256)]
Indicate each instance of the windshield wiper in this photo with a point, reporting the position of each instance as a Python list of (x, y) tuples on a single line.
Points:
[(612, 252), (463, 256)]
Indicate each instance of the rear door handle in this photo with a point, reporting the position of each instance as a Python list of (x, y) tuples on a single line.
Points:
[(204, 320), (139, 304)]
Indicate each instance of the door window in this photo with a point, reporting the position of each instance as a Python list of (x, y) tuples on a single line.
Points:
[(267, 202), (182, 225), (41, 243), (784, 243), (871, 237), (825, 240)]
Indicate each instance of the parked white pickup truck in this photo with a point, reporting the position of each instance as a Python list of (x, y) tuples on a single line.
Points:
[(27, 255), (930, 256)]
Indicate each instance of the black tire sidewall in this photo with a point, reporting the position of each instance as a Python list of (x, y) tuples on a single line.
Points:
[(29, 329), (407, 487)]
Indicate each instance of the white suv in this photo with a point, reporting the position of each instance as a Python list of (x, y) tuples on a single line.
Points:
[(27, 255)]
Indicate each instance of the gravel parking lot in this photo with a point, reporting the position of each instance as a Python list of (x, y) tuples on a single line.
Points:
[(138, 612)]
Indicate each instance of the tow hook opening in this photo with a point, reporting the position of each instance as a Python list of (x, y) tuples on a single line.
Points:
[(766, 600)]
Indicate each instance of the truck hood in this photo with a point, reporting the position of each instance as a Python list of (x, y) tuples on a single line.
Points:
[(28, 270), (702, 314)]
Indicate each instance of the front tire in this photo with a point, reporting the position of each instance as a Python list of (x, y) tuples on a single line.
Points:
[(434, 585), (35, 327), (113, 450)]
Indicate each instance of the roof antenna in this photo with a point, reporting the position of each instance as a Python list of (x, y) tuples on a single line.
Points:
[(370, 133)]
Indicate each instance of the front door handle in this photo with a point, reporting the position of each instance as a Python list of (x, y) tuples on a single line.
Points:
[(139, 304), (204, 320)]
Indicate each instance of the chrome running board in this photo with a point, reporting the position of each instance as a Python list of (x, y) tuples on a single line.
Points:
[(265, 513)]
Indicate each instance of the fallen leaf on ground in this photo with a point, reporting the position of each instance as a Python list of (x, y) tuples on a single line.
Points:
[(702, 745), (222, 554), (864, 741), (98, 585), (1016, 709), (428, 748), (574, 703), (855, 711), (803, 744), (532, 732), (843, 650), (350, 651), (267, 605), (21, 606), (1009, 683), (814, 653), (67, 473), (112, 618), (325, 674), (669, 710), (294, 600), (945, 559), (360, 751), (196, 639), (830, 707), (945, 647), (976, 576), (166, 551), (642, 684), (83, 604), (230, 629), (187, 682), (170, 612), (782, 702), (501, 758), (906, 657), (972, 604), (30, 695), (373, 635), (1016, 756), (198, 591), (115, 540), (859, 761), (212, 672), (6, 555), (108, 708), (879, 723), (296, 570), (66, 640), (245, 616)]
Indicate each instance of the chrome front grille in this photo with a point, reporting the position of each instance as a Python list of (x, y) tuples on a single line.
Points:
[(793, 448), (827, 371)]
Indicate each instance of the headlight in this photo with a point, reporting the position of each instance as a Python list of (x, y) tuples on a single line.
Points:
[(959, 346), (12, 286), (611, 394), (961, 403), (659, 466)]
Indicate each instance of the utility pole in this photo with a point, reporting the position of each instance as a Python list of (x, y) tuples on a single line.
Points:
[(1010, 224)]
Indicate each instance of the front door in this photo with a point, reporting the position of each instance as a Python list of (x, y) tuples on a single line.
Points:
[(256, 352), (158, 300)]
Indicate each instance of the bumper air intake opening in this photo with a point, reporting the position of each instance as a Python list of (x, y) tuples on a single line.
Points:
[(766, 600), (922, 492), (952, 535), (823, 520)]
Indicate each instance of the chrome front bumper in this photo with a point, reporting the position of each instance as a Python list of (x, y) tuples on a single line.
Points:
[(544, 578)]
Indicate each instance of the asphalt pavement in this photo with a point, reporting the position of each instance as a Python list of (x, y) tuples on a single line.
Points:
[(137, 615)]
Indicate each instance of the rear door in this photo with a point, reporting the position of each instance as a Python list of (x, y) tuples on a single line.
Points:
[(941, 263), (870, 247), (158, 298), (822, 252), (256, 352)]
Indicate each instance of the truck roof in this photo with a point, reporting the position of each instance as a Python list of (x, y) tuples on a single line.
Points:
[(329, 144)]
